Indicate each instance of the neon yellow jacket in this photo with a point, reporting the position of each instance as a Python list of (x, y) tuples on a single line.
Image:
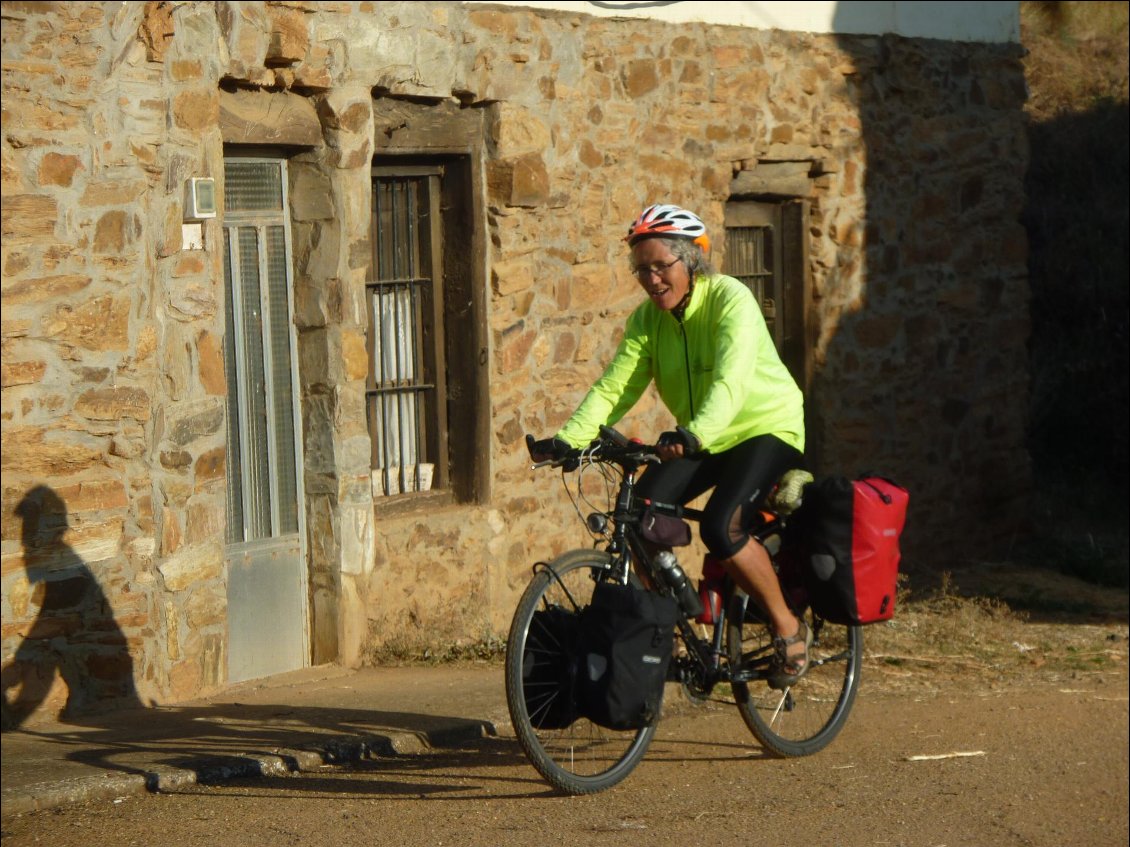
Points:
[(717, 372)]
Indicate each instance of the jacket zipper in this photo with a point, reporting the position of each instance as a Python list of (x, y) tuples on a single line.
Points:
[(687, 362)]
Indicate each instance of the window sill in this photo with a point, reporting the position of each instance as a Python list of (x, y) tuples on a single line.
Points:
[(399, 505)]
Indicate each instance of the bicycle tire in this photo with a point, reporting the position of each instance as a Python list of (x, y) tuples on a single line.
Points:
[(581, 758), (806, 717)]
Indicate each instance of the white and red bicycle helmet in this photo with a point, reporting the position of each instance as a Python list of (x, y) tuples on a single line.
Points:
[(663, 219)]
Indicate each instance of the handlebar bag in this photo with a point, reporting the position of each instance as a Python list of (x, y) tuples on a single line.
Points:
[(627, 637), (549, 667), (664, 530), (850, 529)]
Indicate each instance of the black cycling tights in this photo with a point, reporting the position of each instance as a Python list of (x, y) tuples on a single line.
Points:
[(741, 477)]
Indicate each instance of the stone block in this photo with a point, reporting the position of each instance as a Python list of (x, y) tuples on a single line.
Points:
[(590, 286), (348, 109), (522, 182), (350, 151), (114, 231), (112, 193), (315, 73), (210, 364), (175, 460), (289, 38), (496, 23), (193, 301), (98, 324), (189, 264), (93, 495), (210, 466), (512, 349), (640, 77), (25, 216), (183, 423), (512, 275), (58, 169), (21, 373), (186, 70), (196, 111), (171, 534), (355, 354), (191, 566), (205, 609), (156, 30), (186, 678), (206, 519), (112, 404), (517, 131)]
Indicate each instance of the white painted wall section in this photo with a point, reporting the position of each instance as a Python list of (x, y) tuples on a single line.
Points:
[(955, 20)]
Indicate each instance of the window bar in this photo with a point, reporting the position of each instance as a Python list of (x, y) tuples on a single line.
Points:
[(402, 270), (410, 431), (403, 329), (413, 398), (397, 295), (372, 380), (268, 379), (388, 258), (242, 403)]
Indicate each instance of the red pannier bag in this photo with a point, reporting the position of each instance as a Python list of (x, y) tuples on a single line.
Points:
[(850, 530)]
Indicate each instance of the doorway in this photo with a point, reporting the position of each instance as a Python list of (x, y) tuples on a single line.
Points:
[(265, 552)]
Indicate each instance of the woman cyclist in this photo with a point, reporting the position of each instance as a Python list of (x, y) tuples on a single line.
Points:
[(740, 420)]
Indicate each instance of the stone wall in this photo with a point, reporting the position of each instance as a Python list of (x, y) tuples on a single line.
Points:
[(909, 153)]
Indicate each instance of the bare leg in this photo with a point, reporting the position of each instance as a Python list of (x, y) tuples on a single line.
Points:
[(751, 569)]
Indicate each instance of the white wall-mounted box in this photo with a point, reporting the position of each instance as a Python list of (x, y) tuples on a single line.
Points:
[(199, 198)]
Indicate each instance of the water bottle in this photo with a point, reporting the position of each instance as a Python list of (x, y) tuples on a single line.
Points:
[(676, 578)]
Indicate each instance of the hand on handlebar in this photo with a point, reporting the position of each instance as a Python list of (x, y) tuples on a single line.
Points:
[(677, 444), (613, 447), (550, 450)]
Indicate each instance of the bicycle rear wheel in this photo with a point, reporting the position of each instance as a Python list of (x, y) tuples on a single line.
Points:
[(581, 758), (803, 719)]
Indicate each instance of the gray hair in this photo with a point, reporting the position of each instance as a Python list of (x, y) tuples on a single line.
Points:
[(692, 256)]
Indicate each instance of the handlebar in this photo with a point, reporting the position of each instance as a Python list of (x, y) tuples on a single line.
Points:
[(611, 446)]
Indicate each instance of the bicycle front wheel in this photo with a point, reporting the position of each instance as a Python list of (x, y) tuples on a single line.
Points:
[(578, 757), (803, 719)]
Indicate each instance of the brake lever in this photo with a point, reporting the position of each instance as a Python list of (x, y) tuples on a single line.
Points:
[(616, 437)]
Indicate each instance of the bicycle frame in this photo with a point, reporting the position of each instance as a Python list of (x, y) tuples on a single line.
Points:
[(627, 545)]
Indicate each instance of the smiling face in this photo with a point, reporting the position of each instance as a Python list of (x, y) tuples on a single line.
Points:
[(660, 273)]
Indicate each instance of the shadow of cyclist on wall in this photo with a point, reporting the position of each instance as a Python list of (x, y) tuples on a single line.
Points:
[(73, 637)]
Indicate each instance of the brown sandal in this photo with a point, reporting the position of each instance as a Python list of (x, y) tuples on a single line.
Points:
[(788, 668)]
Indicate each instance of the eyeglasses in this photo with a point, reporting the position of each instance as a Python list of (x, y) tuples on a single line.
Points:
[(659, 269)]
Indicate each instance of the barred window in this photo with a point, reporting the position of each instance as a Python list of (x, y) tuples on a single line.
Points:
[(749, 257), (422, 376)]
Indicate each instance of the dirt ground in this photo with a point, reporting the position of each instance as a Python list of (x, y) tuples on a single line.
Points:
[(927, 765), (979, 722)]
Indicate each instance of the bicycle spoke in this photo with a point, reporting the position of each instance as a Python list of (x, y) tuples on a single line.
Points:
[(807, 715), (573, 754)]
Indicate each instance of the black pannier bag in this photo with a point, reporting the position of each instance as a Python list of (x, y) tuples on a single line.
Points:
[(549, 667), (849, 531), (627, 637)]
